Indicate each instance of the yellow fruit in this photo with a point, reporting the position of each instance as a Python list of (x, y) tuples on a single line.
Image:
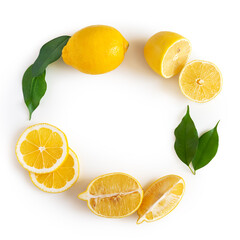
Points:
[(200, 81), (113, 195), (95, 49), (161, 198), (167, 53), (61, 179), (42, 148)]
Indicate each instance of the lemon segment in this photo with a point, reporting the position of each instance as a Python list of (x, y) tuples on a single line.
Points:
[(200, 81), (161, 198), (113, 195), (95, 49), (167, 53), (61, 179), (42, 148)]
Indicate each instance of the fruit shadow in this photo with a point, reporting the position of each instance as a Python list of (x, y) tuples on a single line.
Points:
[(60, 65), (13, 156), (72, 195), (135, 62)]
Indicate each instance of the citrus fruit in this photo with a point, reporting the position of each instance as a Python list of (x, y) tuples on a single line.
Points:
[(167, 53), (200, 81), (95, 49), (113, 195), (42, 148), (61, 179), (161, 198)]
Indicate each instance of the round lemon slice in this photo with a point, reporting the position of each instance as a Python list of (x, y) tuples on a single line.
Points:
[(61, 179), (167, 53), (161, 198), (42, 148), (113, 195), (200, 81)]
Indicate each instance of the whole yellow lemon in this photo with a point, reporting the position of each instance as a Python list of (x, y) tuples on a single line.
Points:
[(95, 49)]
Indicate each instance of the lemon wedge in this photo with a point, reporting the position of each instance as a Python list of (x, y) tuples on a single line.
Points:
[(161, 198)]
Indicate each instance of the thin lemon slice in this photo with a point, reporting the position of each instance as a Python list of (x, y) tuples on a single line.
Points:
[(42, 148), (113, 195), (161, 198), (61, 179), (167, 53), (200, 81)]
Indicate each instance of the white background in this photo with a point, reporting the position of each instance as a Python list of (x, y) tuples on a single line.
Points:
[(120, 121)]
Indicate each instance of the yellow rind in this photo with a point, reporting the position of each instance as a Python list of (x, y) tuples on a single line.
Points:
[(95, 49)]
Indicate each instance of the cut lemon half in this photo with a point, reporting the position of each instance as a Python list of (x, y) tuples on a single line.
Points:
[(113, 195), (61, 179), (161, 198), (42, 148), (167, 53), (200, 81)]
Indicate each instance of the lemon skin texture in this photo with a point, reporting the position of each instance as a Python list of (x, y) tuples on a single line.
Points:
[(95, 49)]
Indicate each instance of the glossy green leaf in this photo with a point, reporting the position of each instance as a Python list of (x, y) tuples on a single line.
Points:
[(33, 89), (186, 142), (50, 52), (207, 148)]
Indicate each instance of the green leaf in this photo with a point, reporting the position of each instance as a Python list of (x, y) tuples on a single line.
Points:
[(50, 52), (186, 142), (207, 148), (33, 89)]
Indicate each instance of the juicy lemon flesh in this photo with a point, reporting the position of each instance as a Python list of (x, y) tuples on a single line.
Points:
[(61, 179), (118, 205), (95, 49), (113, 195), (161, 198), (200, 81), (176, 58), (42, 148)]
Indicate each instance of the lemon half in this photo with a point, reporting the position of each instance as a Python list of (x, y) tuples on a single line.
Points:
[(113, 195), (167, 53), (200, 81)]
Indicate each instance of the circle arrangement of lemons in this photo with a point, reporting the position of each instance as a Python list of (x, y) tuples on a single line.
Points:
[(53, 167)]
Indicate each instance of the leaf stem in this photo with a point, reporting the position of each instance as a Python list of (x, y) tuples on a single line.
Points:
[(193, 171)]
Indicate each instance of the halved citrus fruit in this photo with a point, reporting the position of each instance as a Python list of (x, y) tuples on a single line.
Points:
[(113, 195), (200, 81), (42, 148), (161, 198), (61, 179), (167, 53)]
